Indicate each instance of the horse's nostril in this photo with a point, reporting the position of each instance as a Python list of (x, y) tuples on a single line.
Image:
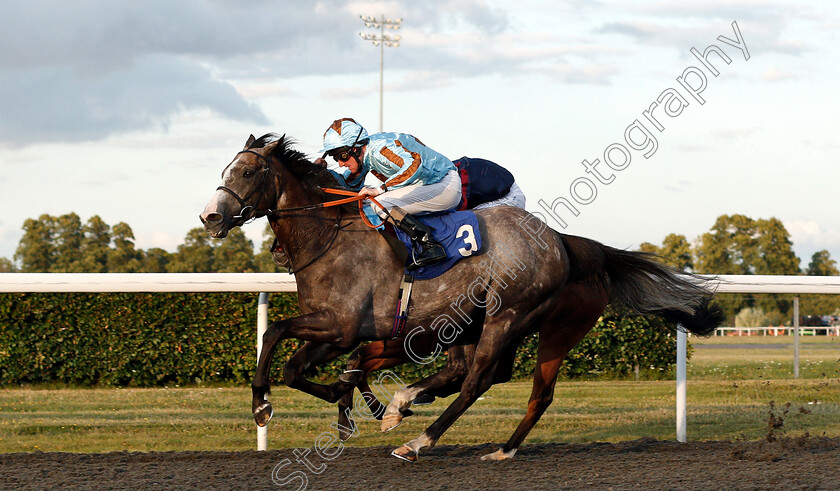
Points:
[(211, 218)]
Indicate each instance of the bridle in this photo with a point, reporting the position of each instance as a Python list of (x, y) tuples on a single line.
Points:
[(250, 212)]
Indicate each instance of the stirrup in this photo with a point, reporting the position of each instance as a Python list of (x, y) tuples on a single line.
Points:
[(430, 254)]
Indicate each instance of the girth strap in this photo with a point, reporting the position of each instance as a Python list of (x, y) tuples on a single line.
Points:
[(402, 305)]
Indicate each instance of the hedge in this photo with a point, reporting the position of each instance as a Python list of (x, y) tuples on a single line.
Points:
[(157, 339)]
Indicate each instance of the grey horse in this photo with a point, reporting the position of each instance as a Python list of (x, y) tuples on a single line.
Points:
[(526, 278)]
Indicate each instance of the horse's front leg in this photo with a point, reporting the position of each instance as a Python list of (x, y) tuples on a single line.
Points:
[(314, 355), (317, 326)]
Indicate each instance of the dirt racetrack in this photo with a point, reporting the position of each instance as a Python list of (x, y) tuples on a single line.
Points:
[(791, 463)]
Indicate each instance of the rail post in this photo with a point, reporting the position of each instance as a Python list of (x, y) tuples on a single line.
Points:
[(796, 337), (262, 326), (682, 349)]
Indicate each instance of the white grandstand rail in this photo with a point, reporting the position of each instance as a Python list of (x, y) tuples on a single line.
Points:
[(146, 282), (795, 285)]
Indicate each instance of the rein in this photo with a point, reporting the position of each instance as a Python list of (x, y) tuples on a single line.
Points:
[(278, 214), (248, 212)]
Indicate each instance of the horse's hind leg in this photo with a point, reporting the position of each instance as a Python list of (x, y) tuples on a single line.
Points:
[(554, 344), (365, 359), (448, 381)]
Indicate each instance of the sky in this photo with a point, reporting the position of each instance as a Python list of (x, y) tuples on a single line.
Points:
[(130, 110)]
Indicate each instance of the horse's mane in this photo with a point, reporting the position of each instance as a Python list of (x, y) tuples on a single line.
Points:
[(295, 160), (313, 177)]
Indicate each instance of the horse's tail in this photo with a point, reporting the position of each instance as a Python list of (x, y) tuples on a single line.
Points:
[(641, 284)]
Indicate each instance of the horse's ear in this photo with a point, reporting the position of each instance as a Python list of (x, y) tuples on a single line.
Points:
[(269, 147), (250, 142)]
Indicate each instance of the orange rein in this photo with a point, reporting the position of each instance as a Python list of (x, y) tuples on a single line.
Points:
[(354, 197)]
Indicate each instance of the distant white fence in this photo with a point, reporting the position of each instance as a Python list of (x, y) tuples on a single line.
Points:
[(280, 282), (777, 331)]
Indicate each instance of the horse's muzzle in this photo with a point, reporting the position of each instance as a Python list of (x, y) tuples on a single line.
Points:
[(215, 224)]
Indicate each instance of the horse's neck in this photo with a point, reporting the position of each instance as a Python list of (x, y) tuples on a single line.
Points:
[(303, 234), (319, 238)]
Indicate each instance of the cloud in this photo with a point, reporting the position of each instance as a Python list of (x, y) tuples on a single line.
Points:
[(74, 76), (52, 104), (734, 133), (681, 25), (774, 75), (694, 147), (638, 30), (347, 92), (258, 91), (809, 235), (157, 238)]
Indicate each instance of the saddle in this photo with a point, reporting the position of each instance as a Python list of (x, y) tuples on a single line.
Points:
[(457, 231)]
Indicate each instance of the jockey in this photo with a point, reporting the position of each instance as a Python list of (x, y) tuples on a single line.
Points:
[(415, 179)]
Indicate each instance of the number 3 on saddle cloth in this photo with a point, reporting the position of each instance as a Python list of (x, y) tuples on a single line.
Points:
[(458, 233)]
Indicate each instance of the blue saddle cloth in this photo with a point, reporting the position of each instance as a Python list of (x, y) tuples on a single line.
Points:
[(457, 231)]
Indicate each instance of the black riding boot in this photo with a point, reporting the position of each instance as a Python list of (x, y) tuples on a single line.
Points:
[(431, 251)]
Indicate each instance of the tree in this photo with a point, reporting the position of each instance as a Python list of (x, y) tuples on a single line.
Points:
[(648, 247), (822, 265), (67, 237), (774, 249), (6, 266), (35, 251), (729, 247), (738, 244), (234, 254), (155, 260), (264, 261), (676, 249), (96, 246), (195, 255), (751, 317), (124, 258)]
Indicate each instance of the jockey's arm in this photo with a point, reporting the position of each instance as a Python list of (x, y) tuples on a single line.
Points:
[(408, 163)]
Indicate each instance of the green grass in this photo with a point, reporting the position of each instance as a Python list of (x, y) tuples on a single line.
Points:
[(103, 420), (718, 358), (729, 397)]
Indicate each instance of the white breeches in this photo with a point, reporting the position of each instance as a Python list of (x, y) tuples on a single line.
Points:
[(419, 198)]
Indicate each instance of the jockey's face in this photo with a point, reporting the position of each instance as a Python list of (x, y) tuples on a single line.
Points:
[(347, 159)]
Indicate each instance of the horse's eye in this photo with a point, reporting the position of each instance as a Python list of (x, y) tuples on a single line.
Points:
[(249, 173)]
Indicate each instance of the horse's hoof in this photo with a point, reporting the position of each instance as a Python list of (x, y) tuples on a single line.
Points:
[(500, 455), (391, 421), (423, 399), (263, 413), (346, 430), (405, 453)]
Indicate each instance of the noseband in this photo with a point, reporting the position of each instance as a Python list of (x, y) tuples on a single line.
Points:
[(248, 212)]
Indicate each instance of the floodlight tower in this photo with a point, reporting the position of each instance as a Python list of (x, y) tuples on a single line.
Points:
[(381, 40)]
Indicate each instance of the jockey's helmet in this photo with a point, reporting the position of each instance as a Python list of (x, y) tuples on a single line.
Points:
[(344, 133)]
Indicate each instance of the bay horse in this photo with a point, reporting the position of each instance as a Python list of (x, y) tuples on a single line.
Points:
[(527, 278)]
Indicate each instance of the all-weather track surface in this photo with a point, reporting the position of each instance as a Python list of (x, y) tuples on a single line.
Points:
[(787, 463)]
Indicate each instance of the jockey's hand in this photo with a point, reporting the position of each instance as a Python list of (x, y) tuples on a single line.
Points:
[(320, 161), (367, 191)]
